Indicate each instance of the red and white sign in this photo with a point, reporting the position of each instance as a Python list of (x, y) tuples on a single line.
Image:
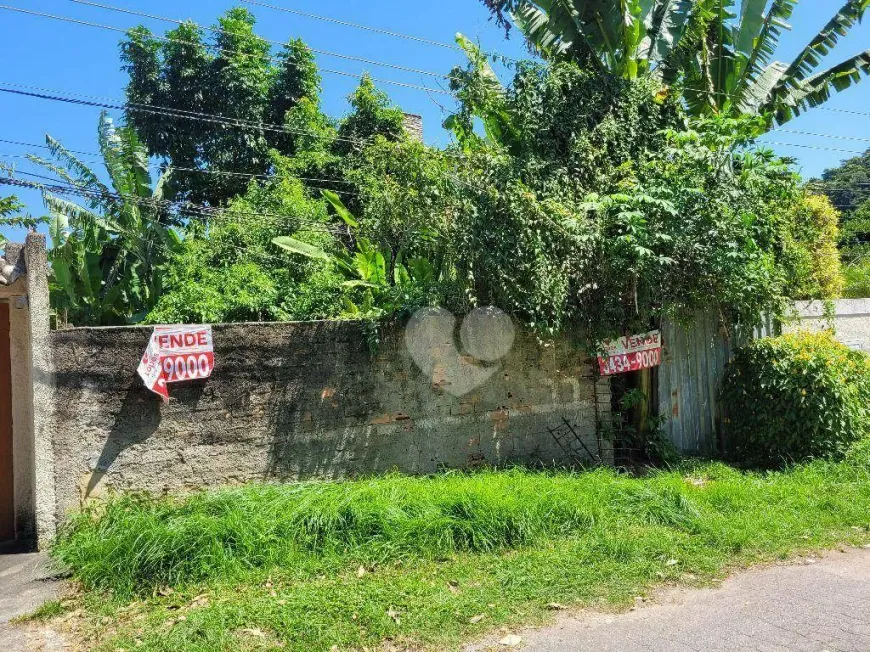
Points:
[(175, 354), (631, 353)]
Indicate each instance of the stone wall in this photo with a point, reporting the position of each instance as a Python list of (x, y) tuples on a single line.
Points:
[(303, 400), (414, 126)]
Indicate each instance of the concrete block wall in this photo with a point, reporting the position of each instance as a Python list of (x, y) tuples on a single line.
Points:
[(850, 321), (300, 400)]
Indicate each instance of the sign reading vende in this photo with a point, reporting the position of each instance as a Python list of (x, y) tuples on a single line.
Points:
[(175, 354), (631, 353)]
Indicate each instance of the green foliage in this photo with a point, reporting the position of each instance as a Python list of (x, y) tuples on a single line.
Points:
[(107, 253), (720, 57), (9, 205), (249, 566), (231, 271), (599, 209), (846, 186), (856, 275), (388, 283), (181, 74), (372, 116), (795, 397), (584, 200), (814, 250), (408, 198)]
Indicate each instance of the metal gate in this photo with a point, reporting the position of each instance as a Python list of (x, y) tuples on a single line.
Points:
[(7, 495), (690, 378)]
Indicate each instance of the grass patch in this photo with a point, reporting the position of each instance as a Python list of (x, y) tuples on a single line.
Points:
[(435, 560), (46, 611)]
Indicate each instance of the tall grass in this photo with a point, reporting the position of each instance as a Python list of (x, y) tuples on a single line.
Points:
[(134, 543)]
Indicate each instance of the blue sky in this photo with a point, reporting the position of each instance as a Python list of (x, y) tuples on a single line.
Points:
[(67, 57)]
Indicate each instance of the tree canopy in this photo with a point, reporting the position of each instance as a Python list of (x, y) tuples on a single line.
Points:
[(107, 252), (719, 52), (578, 197), (848, 188)]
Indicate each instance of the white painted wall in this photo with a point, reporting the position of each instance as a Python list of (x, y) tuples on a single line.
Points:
[(851, 322)]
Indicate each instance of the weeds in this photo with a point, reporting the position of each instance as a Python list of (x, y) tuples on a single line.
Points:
[(313, 565)]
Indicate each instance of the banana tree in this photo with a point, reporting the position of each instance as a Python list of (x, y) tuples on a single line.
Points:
[(721, 55), (106, 251), (366, 267), (624, 37)]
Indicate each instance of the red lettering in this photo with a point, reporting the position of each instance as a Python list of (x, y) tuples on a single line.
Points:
[(189, 339), (201, 339), (176, 341), (163, 340)]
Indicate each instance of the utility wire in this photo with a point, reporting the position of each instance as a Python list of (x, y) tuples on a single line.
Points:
[(120, 105), (67, 19), (827, 149), (216, 30), (344, 23), (161, 166), (58, 96), (817, 135), (61, 187), (67, 189), (191, 210), (235, 122), (828, 108)]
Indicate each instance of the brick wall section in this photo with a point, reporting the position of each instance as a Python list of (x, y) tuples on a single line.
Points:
[(294, 401), (414, 126)]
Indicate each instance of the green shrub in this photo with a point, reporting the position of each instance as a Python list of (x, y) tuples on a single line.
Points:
[(857, 274), (794, 397)]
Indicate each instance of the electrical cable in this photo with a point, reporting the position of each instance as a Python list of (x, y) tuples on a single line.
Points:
[(216, 30), (120, 105), (344, 23), (219, 49), (161, 166), (64, 187), (827, 149), (817, 135)]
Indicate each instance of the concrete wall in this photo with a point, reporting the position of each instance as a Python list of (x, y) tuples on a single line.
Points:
[(304, 400), (850, 321), (24, 285)]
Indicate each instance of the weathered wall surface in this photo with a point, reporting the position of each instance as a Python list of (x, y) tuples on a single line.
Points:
[(24, 285), (850, 321), (690, 378), (291, 401)]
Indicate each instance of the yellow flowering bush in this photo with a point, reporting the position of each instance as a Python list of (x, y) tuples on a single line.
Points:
[(794, 397)]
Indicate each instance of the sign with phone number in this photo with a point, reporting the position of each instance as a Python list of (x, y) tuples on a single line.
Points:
[(631, 353), (176, 354)]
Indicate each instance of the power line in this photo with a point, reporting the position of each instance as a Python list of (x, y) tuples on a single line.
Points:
[(817, 135), (344, 23), (216, 30), (23, 144), (219, 49), (82, 99), (838, 190), (162, 166), (191, 211), (850, 111), (62, 187), (164, 111), (827, 149)]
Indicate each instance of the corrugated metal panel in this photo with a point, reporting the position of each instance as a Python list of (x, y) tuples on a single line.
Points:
[(690, 378), (688, 385)]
